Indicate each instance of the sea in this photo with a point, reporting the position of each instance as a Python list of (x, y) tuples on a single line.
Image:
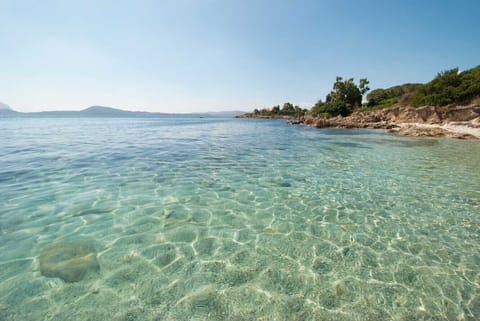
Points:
[(194, 218)]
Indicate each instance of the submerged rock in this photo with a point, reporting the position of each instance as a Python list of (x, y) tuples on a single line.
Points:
[(69, 261)]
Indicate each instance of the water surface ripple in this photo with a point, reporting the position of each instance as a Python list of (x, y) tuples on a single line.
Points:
[(224, 219)]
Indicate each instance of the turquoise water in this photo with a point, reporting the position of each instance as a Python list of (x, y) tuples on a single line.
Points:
[(225, 219)]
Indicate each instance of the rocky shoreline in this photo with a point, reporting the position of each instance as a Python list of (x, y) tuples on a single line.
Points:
[(462, 122)]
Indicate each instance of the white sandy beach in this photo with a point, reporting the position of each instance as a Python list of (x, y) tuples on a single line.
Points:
[(462, 129), (453, 128)]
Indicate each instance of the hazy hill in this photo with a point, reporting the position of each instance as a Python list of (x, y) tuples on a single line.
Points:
[(4, 106), (6, 111), (103, 111), (99, 111)]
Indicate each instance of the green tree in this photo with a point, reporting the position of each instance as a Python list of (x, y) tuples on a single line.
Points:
[(318, 108), (298, 111), (344, 98), (449, 87), (348, 92), (288, 109), (393, 95), (276, 109)]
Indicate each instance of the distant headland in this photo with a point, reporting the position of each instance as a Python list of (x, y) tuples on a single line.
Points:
[(103, 111), (447, 106)]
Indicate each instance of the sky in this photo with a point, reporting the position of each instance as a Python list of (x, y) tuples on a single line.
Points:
[(209, 55)]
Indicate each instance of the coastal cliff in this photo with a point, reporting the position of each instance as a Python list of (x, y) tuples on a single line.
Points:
[(457, 122), (446, 106)]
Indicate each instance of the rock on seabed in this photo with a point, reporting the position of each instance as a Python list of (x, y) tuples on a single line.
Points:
[(69, 261)]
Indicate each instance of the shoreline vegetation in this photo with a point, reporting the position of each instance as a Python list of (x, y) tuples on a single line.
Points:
[(447, 106)]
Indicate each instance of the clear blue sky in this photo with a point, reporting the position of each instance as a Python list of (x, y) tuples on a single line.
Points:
[(206, 55)]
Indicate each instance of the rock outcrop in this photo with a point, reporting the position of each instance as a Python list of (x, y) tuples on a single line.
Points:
[(409, 121), (422, 131)]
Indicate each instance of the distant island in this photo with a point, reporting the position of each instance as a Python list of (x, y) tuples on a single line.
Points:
[(447, 106), (102, 111)]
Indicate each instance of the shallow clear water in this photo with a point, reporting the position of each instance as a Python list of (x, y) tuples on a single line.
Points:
[(224, 219)]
